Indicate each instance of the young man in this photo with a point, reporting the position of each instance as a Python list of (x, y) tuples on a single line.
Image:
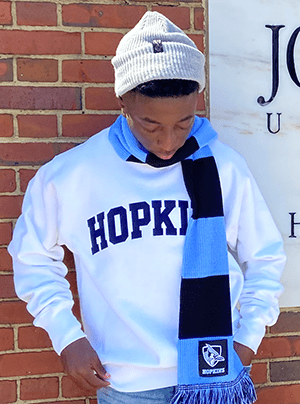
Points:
[(158, 214)]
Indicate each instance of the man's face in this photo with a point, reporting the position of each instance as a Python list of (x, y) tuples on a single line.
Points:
[(161, 125)]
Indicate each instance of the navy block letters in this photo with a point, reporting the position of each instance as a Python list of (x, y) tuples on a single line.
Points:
[(114, 226)]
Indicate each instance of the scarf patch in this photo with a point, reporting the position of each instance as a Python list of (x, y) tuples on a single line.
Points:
[(213, 358)]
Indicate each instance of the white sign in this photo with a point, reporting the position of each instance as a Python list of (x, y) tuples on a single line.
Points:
[(255, 106)]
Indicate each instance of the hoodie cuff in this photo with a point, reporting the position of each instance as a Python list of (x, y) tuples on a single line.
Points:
[(250, 335), (62, 326)]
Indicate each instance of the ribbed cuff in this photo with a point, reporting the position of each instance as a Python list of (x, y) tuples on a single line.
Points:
[(63, 328)]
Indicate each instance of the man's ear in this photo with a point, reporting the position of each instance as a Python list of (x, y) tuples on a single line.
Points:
[(199, 97), (121, 103)]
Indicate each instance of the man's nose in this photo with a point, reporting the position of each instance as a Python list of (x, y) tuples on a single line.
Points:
[(168, 139)]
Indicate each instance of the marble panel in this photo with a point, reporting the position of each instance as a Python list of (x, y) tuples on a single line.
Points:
[(250, 41)]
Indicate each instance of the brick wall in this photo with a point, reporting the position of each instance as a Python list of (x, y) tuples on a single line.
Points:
[(56, 90)]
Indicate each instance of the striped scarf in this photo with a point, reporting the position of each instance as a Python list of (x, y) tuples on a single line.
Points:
[(209, 369)]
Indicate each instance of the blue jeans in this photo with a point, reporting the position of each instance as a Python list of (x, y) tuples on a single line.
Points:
[(108, 395)]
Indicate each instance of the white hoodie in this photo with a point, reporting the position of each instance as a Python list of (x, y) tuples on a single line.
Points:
[(125, 224)]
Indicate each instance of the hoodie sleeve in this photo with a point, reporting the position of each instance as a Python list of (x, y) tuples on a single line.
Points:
[(257, 246), (259, 250), (39, 272)]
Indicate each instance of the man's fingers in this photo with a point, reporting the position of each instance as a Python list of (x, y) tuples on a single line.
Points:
[(84, 384), (102, 376), (99, 370), (93, 381), (89, 381), (82, 364)]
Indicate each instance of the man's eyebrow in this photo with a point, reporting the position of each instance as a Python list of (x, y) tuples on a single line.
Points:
[(182, 120), (149, 120), (187, 118)]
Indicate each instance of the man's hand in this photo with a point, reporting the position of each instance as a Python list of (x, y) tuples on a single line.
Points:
[(82, 364), (246, 354)]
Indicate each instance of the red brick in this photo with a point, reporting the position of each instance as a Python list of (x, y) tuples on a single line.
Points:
[(7, 289), (259, 373), (7, 180), (287, 322), (199, 18), (199, 41), (70, 389), (6, 125), (101, 98), (285, 371), (5, 258), (100, 43), (5, 233), (295, 342), (178, 15), (88, 71), (66, 146), (6, 340), (32, 13), (85, 125), (5, 13), (27, 152), (108, 16), (14, 313), (39, 42), (41, 126), (37, 70), (33, 338), (8, 391), (25, 177), (286, 394), (45, 387), (40, 98), (10, 207), (275, 348), (29, 363), (6, 70)]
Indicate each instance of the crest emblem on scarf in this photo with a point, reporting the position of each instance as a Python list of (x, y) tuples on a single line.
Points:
[(212, 354)]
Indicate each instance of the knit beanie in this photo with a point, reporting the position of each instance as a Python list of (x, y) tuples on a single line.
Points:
[(156, 49)]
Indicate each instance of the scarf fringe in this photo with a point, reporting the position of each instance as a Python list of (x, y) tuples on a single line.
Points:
[(240, 391)]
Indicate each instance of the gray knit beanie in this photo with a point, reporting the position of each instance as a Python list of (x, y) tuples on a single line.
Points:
[(156, 49)]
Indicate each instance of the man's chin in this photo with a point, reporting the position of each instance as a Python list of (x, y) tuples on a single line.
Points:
[(165, 156)]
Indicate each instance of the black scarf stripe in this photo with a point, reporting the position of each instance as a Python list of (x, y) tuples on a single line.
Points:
[(205, 309), (203, 185), (190, 146)]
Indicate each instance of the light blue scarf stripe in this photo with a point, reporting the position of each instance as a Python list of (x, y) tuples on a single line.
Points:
[(210, 259)]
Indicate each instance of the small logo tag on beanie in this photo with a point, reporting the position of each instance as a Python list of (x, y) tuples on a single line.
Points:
[(157, 46)]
